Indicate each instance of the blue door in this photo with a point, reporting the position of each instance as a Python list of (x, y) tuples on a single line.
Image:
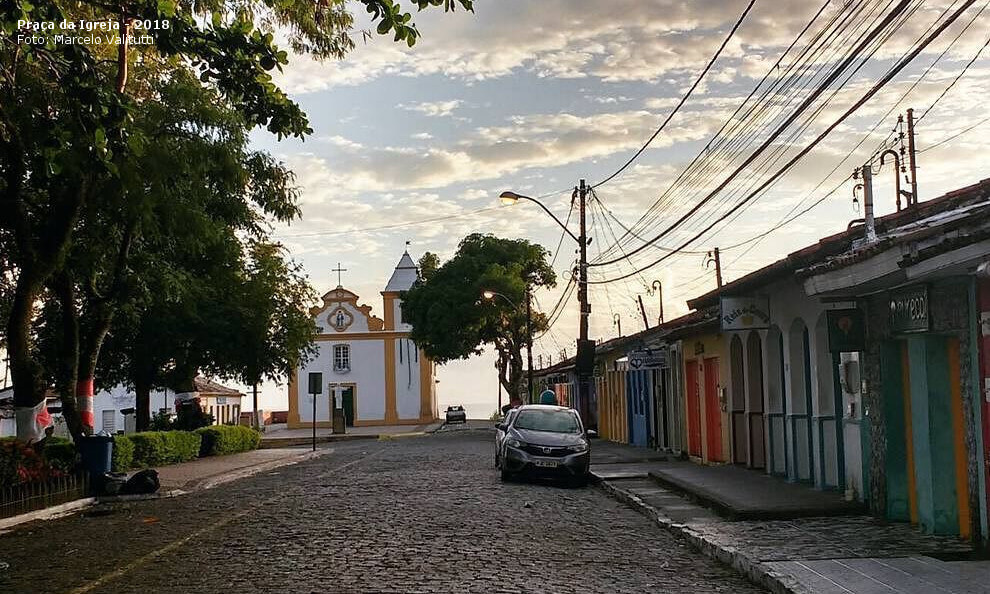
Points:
[(638, 404)]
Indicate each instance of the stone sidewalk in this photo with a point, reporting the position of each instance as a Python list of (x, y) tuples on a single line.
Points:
[(845, 554), (204, 473), (279, 436)]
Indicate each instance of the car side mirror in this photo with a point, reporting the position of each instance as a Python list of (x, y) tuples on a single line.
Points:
[(500, 426), (591, 433)]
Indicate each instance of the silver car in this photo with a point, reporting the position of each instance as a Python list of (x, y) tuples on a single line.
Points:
[(500, 430), (456, 414)]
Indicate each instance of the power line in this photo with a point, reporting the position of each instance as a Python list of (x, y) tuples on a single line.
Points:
[(683, 99), (956, 135), (756, 110), (873, 90), (821, 88)]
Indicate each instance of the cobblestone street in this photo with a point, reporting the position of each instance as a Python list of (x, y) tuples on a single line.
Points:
[(423, 514)]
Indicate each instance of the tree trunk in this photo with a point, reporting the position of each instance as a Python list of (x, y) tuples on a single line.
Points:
[(25, 372), (142, 404), (68, 371)]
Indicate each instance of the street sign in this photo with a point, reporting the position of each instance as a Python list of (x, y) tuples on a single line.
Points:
[(846, 330), (909, 310), (647, 359), (745, 313), (316, 383)]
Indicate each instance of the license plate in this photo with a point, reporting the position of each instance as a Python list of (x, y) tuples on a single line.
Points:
[(546, 464)]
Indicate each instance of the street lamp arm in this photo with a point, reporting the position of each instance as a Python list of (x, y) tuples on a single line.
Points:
[(511, 198), (492, 294)]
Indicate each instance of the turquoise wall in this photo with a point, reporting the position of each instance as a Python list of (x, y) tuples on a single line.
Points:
[(896, 470)]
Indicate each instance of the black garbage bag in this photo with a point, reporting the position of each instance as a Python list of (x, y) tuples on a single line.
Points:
[(141, 483), (110, 483)]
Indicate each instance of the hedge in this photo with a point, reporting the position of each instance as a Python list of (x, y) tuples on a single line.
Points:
[(157, 448), (60, 453), (219, 440), (123, 453)]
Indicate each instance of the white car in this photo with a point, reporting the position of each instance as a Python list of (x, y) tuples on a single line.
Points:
[(456, 414)]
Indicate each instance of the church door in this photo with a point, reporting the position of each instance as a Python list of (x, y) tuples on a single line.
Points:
[(347, 401)]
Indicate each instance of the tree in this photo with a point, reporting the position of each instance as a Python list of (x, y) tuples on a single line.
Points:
[(68, 139), (268, 324), (451, 321)]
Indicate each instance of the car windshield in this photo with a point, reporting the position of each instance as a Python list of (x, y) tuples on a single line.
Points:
[(553, 421)]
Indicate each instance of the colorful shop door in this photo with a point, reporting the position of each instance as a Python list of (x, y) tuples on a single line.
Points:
[(637, 388), (713, 411), (692, 390)]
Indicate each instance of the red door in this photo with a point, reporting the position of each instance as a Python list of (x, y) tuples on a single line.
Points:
[(713, 411), (693, 389)]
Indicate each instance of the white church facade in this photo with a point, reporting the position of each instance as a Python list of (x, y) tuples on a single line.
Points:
[(369, 364)]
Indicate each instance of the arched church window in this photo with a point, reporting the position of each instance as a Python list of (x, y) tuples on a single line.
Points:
[(341, 357)]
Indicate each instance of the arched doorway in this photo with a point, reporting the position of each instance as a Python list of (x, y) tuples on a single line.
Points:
[(799, 403), (754, 400), (776, 404), (737, 399)]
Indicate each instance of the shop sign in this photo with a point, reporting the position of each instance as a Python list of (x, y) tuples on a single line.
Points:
[(647, 359), (745, 313), (909, 310), (846, 330)]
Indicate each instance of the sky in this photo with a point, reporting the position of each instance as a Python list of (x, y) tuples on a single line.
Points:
[(534, 96)]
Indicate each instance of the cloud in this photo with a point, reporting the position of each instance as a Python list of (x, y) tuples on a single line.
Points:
[(620, 40), (433, 109)]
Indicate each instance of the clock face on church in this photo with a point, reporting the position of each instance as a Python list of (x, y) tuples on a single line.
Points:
[(340, 319)]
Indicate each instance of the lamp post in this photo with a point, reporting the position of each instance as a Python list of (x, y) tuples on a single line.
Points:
[(490, 295), (585, 358)]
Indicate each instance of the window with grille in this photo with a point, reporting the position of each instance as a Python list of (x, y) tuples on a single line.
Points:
[(109, 421), (341, 357)]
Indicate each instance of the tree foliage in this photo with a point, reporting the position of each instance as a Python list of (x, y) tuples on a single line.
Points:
[(85, 154), (450, 319)]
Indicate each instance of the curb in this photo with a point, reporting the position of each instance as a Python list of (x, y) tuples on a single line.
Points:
[(391, 436), (58, 511), (292, 442), (755, 571), (49, 513), (209, 482)]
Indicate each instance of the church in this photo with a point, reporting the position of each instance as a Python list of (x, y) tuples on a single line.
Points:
[(370, 367)]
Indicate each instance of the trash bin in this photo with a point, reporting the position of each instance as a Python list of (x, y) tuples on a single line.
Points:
[(96, 452)]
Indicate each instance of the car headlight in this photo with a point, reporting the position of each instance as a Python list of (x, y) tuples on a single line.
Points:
[(513, 443), (581, 447)]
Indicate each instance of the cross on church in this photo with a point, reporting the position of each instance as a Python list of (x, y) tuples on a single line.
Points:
[(338, 270)]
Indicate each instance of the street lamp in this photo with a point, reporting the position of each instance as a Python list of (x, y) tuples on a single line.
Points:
[(490, 296), (585, 359)]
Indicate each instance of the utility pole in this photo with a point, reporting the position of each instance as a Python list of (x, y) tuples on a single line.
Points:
[(585, 359), (911, 157), (529, 343), (868, 219), (718, 269), (642, 310)]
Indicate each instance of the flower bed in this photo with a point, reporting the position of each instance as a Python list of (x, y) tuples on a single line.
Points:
[(30, 480)]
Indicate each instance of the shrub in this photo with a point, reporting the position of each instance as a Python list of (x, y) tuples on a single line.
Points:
[(161, 421), (228, 439), (191, 416), (156, 448), (123, 453), (60, 453), (21, 463)]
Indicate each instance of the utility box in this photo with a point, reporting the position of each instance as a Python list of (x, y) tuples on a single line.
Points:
[(339, 426)]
